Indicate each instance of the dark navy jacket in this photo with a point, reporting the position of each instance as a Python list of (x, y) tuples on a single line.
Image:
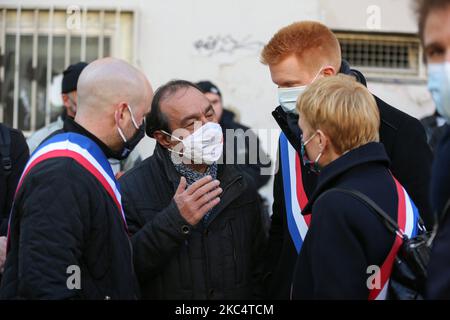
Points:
[(228, 121), (345, 236), (438, 286), (19, 155), (63, 217)]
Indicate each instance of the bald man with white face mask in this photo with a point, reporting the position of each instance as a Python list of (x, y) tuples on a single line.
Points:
[(68, 237)]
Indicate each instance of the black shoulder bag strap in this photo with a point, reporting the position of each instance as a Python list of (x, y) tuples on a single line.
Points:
[(387, 220), (5, 149)]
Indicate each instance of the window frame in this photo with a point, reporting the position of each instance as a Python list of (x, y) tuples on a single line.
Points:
[(113, 31), (411, 76)]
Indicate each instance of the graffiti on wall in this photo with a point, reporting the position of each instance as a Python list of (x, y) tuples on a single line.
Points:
[(228, 45)]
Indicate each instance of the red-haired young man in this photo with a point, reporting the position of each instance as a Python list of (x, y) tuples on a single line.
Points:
[(297, 55)]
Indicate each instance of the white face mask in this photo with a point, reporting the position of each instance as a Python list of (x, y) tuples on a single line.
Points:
[(287, 97), (439, 86), (204, 145)]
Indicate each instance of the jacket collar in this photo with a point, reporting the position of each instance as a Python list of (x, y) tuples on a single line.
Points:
[(225, 173), (163, 157), (288, 123), (227, 118), (369, 153), (71, 126), (346, 69)]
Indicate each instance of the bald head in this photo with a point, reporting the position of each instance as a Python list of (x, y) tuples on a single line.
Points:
[(107, 89), (107, 82)]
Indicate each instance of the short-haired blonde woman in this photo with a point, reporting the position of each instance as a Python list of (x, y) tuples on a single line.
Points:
[(348, 251)]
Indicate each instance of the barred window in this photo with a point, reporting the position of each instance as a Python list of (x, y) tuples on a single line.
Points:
[(383, 54), (37, 44)]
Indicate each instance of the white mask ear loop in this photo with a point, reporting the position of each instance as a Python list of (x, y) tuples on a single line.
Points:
[(132, 117), (317, 75), (170, 135), (121, 134), (120, 131), (321, 69), (173, 137), (132, 120)]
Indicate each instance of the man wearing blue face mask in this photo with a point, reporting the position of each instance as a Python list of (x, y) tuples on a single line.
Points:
[(197, 225), (298, 55), (434, 31)]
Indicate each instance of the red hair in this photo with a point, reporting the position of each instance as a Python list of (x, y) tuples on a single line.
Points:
[(309, 38)]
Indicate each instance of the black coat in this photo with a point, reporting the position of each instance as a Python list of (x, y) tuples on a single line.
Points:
[(435, 131), (345, 236), (406, 145), (253, 154), (440, 186), (173, 260), (438, 285), (63, 216), (19, 156)]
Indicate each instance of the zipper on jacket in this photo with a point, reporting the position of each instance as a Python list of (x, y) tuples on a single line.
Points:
[(205, 239)]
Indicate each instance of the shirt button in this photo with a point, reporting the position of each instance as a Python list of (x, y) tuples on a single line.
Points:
[(185, 229)]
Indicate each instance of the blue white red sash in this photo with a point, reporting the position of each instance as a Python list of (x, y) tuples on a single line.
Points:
[(408, 221), (84, 151), (294, 194), (296, 199)]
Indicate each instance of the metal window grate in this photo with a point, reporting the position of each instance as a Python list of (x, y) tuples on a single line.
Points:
[(388, 55), (37, 44)]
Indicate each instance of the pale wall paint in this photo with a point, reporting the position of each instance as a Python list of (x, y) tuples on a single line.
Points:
[(168, 29)]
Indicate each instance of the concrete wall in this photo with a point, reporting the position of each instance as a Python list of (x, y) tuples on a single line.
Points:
[(221, 41)]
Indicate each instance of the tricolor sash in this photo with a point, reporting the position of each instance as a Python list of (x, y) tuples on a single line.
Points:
[(86, 153), (294, 194), (408, 222), (296, 199)]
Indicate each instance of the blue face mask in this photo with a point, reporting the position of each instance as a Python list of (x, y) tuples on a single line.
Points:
[(439, 86), (313, 165), (287, 97)]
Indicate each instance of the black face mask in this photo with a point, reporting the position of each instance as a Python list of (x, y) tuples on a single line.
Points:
[(130, 144)]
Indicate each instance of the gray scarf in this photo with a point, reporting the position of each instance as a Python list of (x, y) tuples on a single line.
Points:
[(192, 176)]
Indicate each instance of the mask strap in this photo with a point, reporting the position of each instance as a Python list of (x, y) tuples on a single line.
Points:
[(316, 163), (121, 134), (132, 117), (321, 69), (170, 135), (177, 152), (310, 138), (317, 159)]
